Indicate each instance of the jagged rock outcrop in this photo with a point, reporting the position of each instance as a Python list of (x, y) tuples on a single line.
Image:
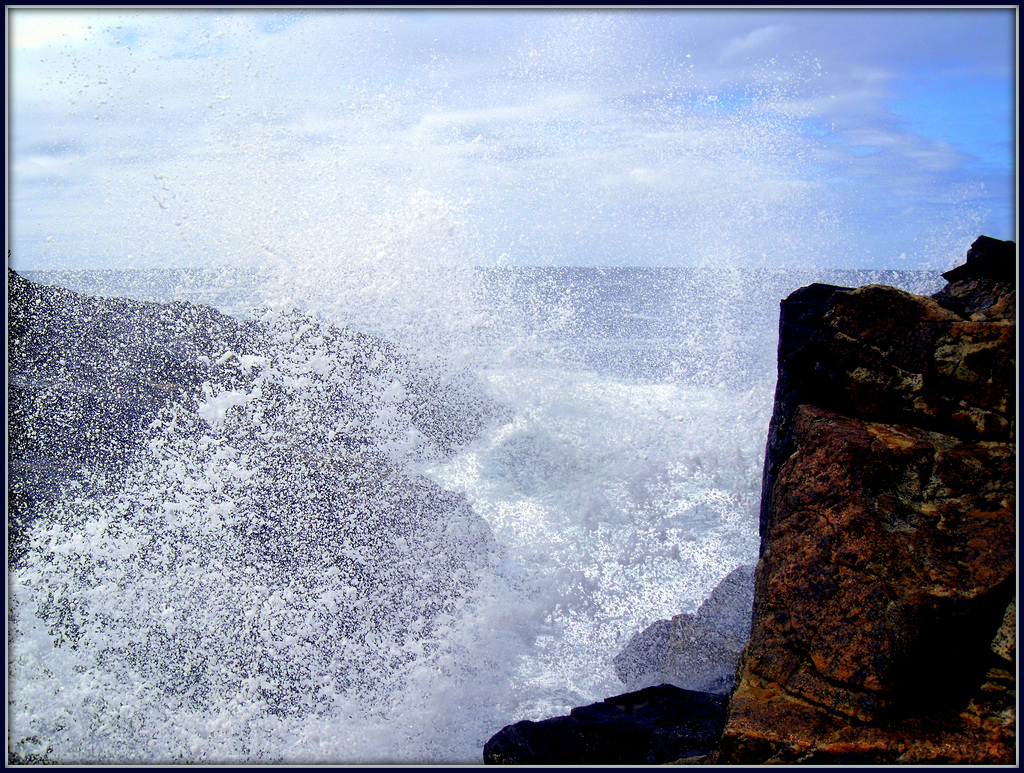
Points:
[(110, 363), (885, 592), (694, 651), (648, 727), (86, 376)]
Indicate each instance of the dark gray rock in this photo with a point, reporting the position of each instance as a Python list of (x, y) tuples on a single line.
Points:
[(88, 375), (120, 407), (987, 258), (694, 651), (648, 727), (978, 285)]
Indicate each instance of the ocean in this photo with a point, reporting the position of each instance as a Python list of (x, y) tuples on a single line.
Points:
[(619, 484)]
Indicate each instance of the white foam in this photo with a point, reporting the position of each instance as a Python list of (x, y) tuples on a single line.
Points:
[(613, 514)]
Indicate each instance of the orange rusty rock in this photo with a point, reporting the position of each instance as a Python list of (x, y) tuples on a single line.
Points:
[(887, 574)]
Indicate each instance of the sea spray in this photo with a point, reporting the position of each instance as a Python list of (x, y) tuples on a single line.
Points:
[(265, 557), (277, 572), (305, 564)]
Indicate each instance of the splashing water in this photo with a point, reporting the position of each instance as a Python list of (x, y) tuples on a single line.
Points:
[(342, 547)]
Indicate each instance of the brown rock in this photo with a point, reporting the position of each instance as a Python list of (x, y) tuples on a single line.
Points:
[(875, 533), (884, 613), (767, 725), (1005, 642), (901, 358)]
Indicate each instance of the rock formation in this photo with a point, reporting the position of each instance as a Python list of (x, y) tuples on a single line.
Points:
[(87, 376), (694, 651), (238, 477), (885, 593), (648, 727), (678, 673)]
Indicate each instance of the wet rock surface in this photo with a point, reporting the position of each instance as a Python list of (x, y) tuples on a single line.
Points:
[(695, 651), (180, 481), (647, 727), (887, 576), (86, 376)]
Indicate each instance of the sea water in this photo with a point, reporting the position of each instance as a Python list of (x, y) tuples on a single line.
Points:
[(620, 485)]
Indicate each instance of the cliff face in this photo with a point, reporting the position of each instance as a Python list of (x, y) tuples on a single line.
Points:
[(884, 609)]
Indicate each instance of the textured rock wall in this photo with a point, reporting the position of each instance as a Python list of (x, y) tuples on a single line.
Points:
[(885, 593)]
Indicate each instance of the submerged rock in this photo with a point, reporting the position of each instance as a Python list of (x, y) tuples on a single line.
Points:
[(694, 651), (888, 524), (648, 727)]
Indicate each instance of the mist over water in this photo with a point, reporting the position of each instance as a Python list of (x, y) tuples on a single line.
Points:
[(294, 569)]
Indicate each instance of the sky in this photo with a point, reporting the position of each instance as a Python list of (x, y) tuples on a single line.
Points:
[(778, 138)]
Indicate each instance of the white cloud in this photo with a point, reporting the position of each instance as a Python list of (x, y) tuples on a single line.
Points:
[(753, 42), (33, 28), (596, 128)]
